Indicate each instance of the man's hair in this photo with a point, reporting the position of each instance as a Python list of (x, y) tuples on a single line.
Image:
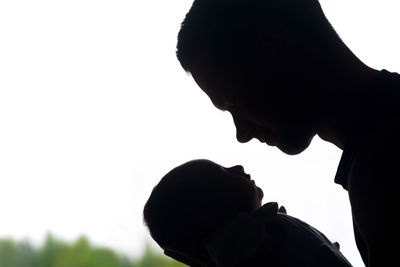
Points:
[(182, 210), (230, 30)]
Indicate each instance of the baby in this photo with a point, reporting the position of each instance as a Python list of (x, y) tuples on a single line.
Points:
[(203, 214)]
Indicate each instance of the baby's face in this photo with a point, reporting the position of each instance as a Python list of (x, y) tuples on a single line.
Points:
[(237, 172), (230, 184)]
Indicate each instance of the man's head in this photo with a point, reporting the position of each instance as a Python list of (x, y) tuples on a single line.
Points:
[(263, 61), (192, 201)]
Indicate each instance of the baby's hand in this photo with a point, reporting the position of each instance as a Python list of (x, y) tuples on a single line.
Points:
[(282, 209)]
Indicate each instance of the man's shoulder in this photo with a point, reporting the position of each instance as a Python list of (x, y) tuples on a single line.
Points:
[(386, 79), (378, 131), (382, 142)]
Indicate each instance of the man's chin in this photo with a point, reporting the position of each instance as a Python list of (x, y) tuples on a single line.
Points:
[(294, 148)]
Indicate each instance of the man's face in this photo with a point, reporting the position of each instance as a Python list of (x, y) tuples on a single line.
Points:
[(262, 104)]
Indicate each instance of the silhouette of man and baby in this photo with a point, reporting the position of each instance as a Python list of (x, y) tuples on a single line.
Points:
[(285, 76)]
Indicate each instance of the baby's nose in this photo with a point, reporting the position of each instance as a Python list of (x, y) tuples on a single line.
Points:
[(237, 169)]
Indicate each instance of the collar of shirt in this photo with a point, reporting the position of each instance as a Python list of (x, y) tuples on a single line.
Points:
[(343, 171)]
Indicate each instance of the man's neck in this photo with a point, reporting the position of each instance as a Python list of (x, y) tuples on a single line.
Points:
[(347, 85)]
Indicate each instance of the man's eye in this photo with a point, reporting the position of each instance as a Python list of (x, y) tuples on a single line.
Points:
[(228, 105)]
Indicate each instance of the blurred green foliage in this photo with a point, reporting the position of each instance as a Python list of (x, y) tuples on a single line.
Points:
[(56, 253)]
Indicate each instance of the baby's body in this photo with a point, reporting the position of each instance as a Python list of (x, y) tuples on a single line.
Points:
[(204, 214), (268, 237)]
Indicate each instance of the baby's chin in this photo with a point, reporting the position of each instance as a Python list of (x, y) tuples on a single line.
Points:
[(261, 193), (259, 197)]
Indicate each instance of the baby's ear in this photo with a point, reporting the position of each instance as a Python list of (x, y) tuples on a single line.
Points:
[(181, 258)]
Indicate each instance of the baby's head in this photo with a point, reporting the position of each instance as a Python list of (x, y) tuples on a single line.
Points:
[(194, 200)]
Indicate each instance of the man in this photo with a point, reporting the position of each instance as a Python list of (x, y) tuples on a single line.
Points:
[(285, 76)]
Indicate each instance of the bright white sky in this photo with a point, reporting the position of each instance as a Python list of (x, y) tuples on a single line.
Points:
[(95, 108)]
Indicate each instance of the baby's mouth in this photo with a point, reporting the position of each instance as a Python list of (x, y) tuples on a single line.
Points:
[(261, 192)]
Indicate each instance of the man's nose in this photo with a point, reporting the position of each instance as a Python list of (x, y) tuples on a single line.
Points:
[(243, 129)]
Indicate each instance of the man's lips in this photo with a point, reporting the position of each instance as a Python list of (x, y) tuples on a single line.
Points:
[(268, 140), (266, 137)]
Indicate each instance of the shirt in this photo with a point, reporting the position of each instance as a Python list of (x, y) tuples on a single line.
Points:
[(375, 118)]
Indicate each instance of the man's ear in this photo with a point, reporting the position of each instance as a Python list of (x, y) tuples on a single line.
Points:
[(181, 258), (275, 38)]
